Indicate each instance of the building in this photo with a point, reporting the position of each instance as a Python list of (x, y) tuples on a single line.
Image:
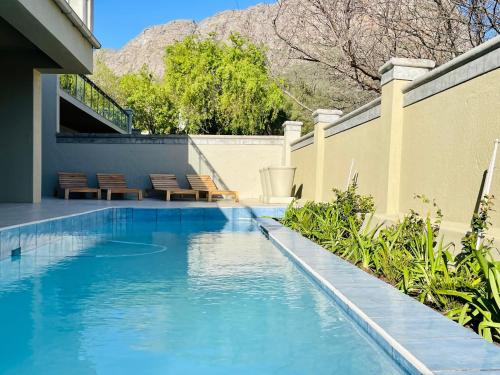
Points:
[(36, 37), (53, 39)]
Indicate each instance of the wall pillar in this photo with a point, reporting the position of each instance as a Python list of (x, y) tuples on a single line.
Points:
[(20, 140), (291, 131), (395, 74), (321, 118), (130, 116)]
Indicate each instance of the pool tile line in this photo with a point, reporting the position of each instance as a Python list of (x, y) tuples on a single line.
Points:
[(363, 303), (52, 219), (31, 235)]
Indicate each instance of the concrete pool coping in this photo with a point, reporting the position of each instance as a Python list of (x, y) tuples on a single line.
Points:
[(418, 338), (12, 214)]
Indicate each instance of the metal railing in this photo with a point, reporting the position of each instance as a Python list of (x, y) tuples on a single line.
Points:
[(87, 92)]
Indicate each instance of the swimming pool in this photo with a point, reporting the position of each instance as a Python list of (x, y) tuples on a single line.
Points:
[(185, 297)]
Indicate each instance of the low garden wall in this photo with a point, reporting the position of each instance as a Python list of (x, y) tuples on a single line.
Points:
[(232, 161)]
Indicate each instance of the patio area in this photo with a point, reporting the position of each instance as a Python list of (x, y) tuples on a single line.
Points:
[(50, 208)]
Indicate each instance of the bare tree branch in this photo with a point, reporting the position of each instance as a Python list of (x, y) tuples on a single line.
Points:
[(354, 38)]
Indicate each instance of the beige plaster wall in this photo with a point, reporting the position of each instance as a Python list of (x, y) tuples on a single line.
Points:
[(366, 147), (235, 166), (304, 160), (434, 137), (447, 145), (233, 162)]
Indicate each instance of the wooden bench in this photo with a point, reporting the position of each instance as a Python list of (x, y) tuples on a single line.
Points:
[(115, 183), (204, 183), (76, 183), (168, 184)]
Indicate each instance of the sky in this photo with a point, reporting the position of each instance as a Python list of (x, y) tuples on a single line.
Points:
[(118, 21)]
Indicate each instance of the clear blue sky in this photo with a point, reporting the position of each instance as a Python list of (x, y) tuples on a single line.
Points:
[(118, 21)]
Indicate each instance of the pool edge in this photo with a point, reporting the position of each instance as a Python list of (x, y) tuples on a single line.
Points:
[(408, 360)]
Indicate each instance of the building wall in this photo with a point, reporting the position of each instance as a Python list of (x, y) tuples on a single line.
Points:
[(430, 134), (20, 129), (36, 37), (49, 29)]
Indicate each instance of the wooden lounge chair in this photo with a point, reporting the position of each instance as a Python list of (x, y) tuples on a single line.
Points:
[(204, 183), (168, 184), (115, 183), (76, 183)]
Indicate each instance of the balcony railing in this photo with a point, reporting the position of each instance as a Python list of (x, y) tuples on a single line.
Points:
[(87, 92)]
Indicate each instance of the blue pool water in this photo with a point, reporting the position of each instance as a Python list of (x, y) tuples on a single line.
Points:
[(191, 298)]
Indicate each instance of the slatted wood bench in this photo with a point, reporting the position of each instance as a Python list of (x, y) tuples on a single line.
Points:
[(76, 183), (116, 183), (204, 183), (168, 183)]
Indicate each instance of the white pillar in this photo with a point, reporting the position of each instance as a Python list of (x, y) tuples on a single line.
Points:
[(395, 74), (291, 130), (321, 118), (403, 69)]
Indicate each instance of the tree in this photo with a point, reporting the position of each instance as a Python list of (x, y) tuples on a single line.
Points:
[(221, 88), (153, 109), (353, 38), (313, 87), (107, 80)]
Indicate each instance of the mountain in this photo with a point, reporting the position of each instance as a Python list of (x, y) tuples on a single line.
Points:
[(308, 83), (148, 47)]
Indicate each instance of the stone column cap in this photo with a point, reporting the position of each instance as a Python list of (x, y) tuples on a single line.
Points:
[(326, 115), (411, 63), (292, 124), (404, 69)]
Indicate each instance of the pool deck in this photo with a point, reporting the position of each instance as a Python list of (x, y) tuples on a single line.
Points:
[(50, 208), (417, 337)]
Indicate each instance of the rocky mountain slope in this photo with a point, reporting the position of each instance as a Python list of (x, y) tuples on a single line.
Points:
[(148, 47)]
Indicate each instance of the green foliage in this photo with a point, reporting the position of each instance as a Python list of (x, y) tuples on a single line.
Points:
[(223, 88), (481, 308), (329, 223), (108, 81), (411, 256), (150, 101)]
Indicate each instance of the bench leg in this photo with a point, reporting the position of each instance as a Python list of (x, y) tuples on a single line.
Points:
[(167, 195), (66, 193), (139, 195), (197, 195), (108, 195), (236, 197), (209, 196), (99, 194)]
